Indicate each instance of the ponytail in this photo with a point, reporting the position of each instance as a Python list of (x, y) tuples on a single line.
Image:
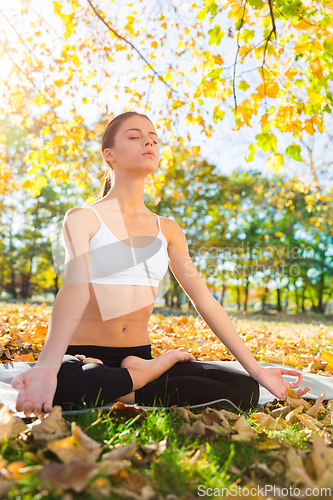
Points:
[(107, 184)]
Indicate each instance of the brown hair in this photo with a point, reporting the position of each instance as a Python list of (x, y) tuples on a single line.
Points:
[(108, 142)]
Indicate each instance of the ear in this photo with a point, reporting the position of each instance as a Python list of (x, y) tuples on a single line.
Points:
[(108, 156)]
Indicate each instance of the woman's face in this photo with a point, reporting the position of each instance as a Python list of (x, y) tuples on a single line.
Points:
[(135, 137)]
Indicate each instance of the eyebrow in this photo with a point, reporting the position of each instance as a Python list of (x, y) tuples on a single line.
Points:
[(139, 130)]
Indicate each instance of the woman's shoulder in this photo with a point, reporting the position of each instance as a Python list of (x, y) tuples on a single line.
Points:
[(171, 229), (80, 212), (81, 219), (169, 223)]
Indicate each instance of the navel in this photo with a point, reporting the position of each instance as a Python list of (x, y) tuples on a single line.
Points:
[(124, 328)]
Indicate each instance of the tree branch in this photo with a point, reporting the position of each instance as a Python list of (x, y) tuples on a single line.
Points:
[(133, 47)]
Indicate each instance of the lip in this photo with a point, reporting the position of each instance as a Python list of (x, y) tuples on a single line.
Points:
[(150, 153)]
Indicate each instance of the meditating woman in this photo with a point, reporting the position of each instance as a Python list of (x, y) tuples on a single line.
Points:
[(97, 349)]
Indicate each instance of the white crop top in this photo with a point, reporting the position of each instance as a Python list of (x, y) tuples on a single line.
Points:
[(111, 262)]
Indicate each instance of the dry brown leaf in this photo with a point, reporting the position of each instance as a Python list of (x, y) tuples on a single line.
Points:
[(316, 407), (73, 475), (221, 415), (10, 425), (281, 412), (13, 469), (293, 400), (270, 443), (261, 468), (5, 487), (243, 431), (307, 421), (136, 486), (242, 424), (50, 427), (113, 467), (215, 428), (185, 413), (291, 417), (267, 421), (120, 452), (299, 476), (153, 449), (197, 429), (328, 419), (76, 447)]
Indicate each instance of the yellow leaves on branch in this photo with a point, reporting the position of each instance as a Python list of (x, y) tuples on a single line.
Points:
[(274, 162), (7, 179)]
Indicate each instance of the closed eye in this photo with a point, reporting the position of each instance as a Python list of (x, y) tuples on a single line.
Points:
[(139, 138)]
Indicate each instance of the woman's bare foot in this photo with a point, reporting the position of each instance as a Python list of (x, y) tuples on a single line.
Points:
[(143, 371), (86, 360)]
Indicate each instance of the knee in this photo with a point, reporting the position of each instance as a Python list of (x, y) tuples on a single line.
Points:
[(68, 377), (252, 393), (69, 365)]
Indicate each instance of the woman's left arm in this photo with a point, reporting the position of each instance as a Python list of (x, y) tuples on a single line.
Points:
[(217, 319)]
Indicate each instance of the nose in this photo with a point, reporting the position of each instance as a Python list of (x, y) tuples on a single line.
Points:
[(149, 140)]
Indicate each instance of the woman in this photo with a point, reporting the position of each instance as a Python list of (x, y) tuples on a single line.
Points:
[(97, 348)]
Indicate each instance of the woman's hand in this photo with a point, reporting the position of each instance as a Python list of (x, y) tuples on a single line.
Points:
[(271, 378), (37, 387)]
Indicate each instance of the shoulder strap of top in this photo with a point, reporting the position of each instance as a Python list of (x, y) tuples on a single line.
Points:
[(158, 221), (97, 214)]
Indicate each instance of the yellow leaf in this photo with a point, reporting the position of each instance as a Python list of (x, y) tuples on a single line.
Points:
[(274, 162), (316, 68), (328, 357)]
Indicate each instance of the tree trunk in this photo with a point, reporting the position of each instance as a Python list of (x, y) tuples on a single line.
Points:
[(246, 294), (238, 289), (296, 297), (12, 286), (264, 297), (321, 307), (278, 296), (303, 297)]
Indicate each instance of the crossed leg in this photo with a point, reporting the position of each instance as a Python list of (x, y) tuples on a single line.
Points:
[(143, 371), (168, 381)]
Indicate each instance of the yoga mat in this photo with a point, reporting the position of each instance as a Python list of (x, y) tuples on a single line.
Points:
[(320, 384)]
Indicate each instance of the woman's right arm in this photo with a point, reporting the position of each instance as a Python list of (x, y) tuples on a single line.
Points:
[(37, 386)]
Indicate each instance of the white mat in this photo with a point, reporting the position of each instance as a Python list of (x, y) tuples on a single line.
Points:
[(319, 384)]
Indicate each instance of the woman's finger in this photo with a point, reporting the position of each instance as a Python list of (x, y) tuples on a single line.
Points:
[(37, 410), (18, 382), (299, 376), (291, 371), (20, 400), (27, 409), (296, 383), (47, 406), (300, 392)]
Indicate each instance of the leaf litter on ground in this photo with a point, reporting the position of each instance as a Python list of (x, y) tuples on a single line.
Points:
[(85, 465)]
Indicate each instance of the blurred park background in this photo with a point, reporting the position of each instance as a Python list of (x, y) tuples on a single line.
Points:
[(245, 141)]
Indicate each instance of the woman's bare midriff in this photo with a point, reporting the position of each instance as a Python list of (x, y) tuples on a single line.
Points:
[(116, 316)]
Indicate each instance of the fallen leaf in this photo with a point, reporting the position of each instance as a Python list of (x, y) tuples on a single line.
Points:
[(73, 475), (76, 447), (10, 425)]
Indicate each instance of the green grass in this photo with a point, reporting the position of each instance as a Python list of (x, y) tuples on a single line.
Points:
[(171, 472)]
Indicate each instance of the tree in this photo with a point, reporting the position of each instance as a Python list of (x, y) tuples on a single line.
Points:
[(177, 69)]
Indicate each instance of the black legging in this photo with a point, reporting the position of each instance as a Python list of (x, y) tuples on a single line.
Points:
[(184, 383)]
